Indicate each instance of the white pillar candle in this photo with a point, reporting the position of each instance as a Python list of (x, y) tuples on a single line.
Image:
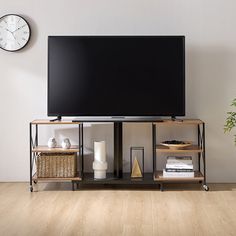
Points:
[(100, 164), (100, 151)]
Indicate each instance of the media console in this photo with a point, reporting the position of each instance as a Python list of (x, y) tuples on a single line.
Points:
[(118, 177)]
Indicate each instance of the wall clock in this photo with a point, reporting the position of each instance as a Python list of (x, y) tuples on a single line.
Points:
[(14, 32)]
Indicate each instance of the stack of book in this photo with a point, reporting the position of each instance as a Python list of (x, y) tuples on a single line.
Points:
[(179, 167)]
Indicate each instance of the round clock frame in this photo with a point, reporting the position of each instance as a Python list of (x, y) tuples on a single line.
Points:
[(28, 38)]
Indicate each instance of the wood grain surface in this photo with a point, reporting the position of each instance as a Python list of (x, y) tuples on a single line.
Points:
[(55, 210)]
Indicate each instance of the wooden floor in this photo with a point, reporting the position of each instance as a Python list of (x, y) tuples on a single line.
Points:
[(55, 210)]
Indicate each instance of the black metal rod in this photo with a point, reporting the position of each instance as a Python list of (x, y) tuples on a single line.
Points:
[(130, 160), (143, 160), (204, 152), (199, 145), (118, 149), (80, 151), (154, 146), (30, 138), (36, 135), (79, 146), (82, 146), (161, 187)]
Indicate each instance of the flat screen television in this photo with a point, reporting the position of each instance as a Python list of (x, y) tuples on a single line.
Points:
[(116, 76)]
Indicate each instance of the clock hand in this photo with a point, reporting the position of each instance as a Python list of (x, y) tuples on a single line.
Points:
[(18, 28), (11, 33), (8, 30)]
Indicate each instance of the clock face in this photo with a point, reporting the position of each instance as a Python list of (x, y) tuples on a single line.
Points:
[(14, 32)]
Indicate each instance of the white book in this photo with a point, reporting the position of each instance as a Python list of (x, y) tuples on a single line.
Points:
[(182, 159), (178, 174), (179, 166)]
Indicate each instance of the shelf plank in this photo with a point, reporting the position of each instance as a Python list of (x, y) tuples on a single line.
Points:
[(57, 179), (88, 178), (58, 122), (179, 122), (72, 149), (158, 176), (189, 149), (162, 122)]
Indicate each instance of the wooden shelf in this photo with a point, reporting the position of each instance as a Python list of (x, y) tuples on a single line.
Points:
[(161, 122), (189, 149), (48, 122), (74, 148), (57, 179), (88, 178), (180, 122), (158, 176)]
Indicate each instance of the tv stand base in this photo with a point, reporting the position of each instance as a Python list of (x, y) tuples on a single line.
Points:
[(173, 118), (56, 119)]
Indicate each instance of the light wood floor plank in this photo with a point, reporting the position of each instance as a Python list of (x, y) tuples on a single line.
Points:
[(56, 210)]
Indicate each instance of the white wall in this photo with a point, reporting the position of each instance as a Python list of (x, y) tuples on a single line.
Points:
[(210, 32)]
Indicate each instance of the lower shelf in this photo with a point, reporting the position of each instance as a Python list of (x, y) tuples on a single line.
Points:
[(111, 179), (56, 179), (148, 178), (158, 176)]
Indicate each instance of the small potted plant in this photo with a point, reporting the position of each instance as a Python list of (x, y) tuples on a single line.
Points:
[(231, 120)]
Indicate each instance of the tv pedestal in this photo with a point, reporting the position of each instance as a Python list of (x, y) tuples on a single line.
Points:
[(56, 119), (154, 177)]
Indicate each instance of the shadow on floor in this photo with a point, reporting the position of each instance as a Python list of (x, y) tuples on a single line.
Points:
[(167, 187)]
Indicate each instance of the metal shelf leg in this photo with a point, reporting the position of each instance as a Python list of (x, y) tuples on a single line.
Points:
[(31, 164)]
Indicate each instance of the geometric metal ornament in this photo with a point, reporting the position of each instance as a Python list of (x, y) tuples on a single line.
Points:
[(136, 171)]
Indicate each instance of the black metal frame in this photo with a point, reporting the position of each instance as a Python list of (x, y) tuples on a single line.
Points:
[(34, 143), (33, 156), (201, 155), (118, 155), (81, 154), (118, 149), (31, 165), (201, 144), (117, 177)]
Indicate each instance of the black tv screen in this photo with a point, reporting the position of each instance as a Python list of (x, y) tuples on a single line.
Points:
[(116, 76)]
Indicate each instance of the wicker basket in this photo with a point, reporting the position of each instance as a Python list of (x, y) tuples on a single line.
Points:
[(56, 165)]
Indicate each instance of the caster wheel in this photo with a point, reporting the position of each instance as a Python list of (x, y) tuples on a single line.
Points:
[(31, 189), (73, 186), (206, 188), (161, 187)]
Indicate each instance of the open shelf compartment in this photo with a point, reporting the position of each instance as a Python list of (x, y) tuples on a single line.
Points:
[(158, 176), (88, 178), (56, 179)]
